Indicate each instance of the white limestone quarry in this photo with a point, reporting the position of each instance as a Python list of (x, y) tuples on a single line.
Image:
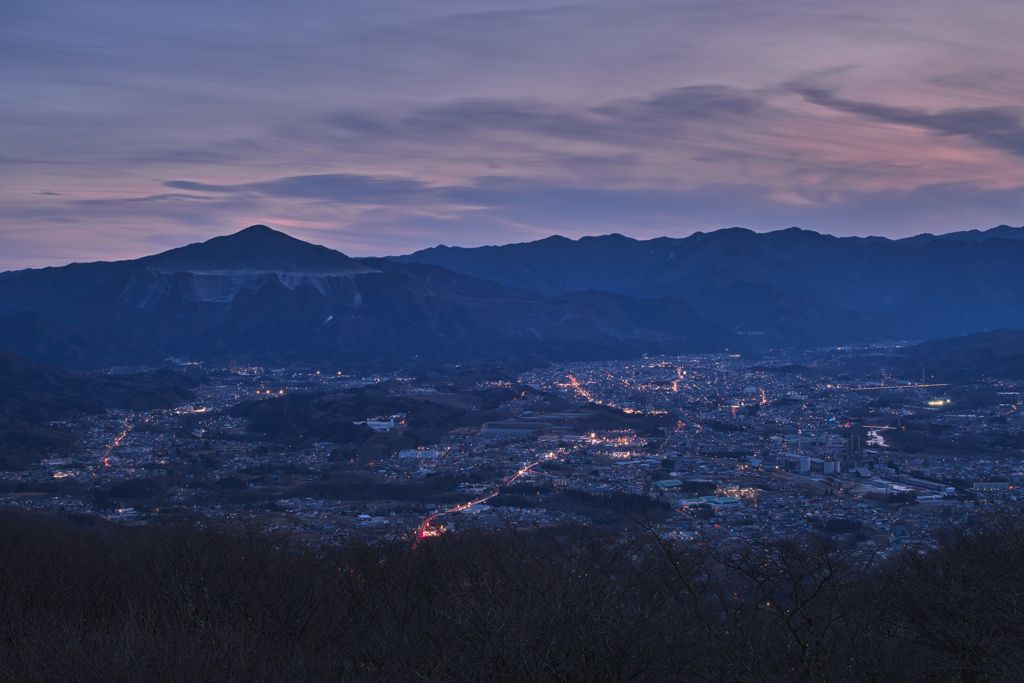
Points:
[(223, 286)]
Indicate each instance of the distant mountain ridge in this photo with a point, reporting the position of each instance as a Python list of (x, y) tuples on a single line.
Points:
[(262, 296), (1004, 231), (823, 289)]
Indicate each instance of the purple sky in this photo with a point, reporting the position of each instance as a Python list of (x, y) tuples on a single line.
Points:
[(381, 127)]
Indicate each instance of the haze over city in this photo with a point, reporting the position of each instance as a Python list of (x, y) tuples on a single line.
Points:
[(381, 128)]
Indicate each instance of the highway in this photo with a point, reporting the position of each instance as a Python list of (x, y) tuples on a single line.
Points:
[(423, 530), (116, 443)]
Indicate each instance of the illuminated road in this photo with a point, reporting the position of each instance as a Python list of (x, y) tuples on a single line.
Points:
[(580, 390), (116, 443), (896, 387), (423, 530)]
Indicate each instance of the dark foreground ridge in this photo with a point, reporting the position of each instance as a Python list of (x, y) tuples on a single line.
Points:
[(190, 602)]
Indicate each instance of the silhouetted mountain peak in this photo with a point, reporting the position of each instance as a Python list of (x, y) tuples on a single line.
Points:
[(256, 249), (259, 231)]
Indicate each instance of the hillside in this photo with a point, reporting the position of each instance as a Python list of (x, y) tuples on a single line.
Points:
[(999, 353), (40, 338)]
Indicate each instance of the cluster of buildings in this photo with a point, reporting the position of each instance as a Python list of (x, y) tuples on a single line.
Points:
[(744, 451)]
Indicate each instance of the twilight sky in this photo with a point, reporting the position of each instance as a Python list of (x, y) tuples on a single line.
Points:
[(384, 126)]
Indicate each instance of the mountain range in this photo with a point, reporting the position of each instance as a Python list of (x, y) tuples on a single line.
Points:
[(263, 296), (790, 287), (260, 295)]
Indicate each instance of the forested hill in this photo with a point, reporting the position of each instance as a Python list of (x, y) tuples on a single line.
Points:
[(33, 395), (999, 353), (195, 602)]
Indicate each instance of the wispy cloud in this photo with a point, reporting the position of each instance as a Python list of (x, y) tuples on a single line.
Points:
[(383, 127), (335, 187), (611, 122), (999, 128)]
